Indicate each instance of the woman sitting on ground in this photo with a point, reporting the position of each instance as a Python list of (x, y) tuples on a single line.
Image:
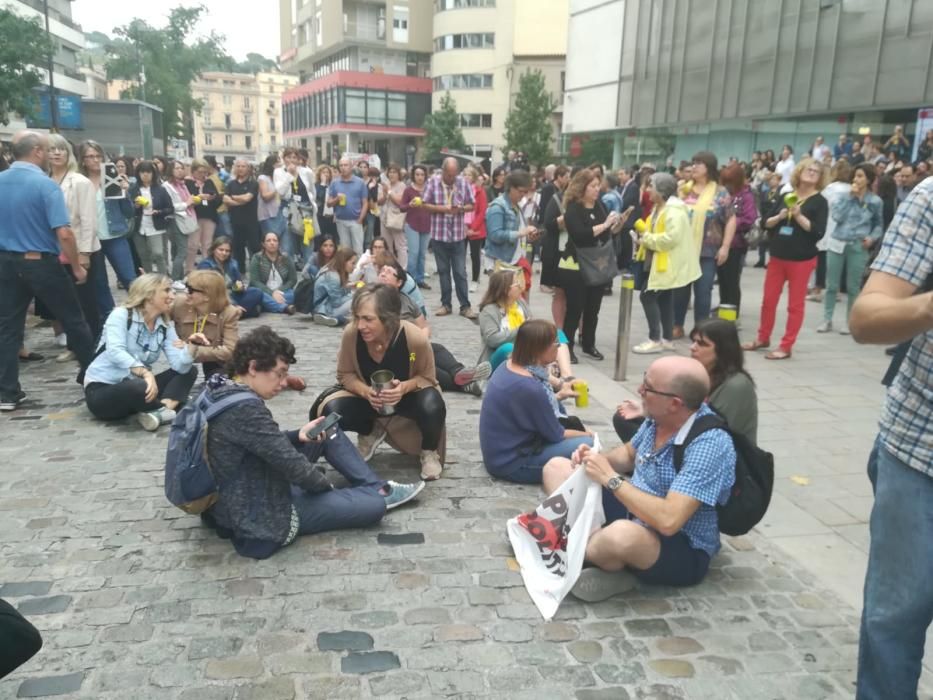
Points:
[(715, 344), (333, 289), (519, 422), (502, 312), (366, 269), (206, 313), (318, 261), (269, 489), (274, 275), (375, 340), (120, 382), (248, 300)]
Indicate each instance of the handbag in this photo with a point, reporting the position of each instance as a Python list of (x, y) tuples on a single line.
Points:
[(597, 264), (394, 218)]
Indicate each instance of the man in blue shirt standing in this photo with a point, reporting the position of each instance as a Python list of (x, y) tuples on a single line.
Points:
[(35, 228), (350, 200), (661, 522)]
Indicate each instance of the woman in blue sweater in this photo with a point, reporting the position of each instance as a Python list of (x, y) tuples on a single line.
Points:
[(520, 422), (247, 299)]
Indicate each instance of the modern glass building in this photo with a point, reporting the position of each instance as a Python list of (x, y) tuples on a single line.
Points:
[(677, 76)]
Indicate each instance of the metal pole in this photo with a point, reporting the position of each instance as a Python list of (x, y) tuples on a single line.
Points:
[(53, 103), (625, 325)]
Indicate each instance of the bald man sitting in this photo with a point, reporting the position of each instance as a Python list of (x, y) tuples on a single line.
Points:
[(661, 524)]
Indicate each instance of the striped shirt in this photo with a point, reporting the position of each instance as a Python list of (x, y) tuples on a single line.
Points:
[(907, 253), (448, 228)]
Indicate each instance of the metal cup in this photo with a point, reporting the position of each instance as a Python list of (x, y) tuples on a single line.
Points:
[(380, 380)]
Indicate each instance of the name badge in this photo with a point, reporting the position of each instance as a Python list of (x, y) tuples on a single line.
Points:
[(786, 230)]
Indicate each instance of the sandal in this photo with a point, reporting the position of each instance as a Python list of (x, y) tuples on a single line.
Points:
[(754, 345), (778, 355)]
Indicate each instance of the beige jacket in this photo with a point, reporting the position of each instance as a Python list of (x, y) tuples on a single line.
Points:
[(81, 200), (222, 329)]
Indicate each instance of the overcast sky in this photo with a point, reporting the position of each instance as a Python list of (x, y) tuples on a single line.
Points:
[(248, 26)]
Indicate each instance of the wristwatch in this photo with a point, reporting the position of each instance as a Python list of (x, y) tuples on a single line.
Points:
[(614, 483)]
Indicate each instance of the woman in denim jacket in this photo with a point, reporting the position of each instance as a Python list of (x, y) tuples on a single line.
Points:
[(333, 289), (506, 230), (858, 220)]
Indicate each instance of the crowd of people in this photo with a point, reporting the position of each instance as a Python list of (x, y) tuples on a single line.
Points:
[(197, 250)]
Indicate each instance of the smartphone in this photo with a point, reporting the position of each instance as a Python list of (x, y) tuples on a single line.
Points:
[(112, 189), (323, 426)]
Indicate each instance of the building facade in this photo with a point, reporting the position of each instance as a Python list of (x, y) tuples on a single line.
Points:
[(482, 48), (673, 77), (241, 114), (69, 82), (364, 67)]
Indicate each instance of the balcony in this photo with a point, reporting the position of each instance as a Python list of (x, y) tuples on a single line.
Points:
[(365, 31)]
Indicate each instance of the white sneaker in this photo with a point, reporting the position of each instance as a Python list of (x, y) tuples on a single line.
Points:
[(66, 356), (844, 328), (474, 286), (824, 327), (649, 347), (667, 345), (151, 420), (367, 444), (61, 340), (431, 466)]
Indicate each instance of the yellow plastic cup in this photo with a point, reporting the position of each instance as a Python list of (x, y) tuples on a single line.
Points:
[(582, 399), (342, 199), (728, 312)]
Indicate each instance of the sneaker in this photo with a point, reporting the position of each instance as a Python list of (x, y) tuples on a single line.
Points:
[(651, 347), (179, 287), (824, 327), (474, 286), (290, 310), (595, 584), (469, 313), (475, 388), (424, 285), (66, 356), (12, 404), (815, 296), (466, 376), (151, 420), (844, 328), (667, 345), (367, 444), (401, 493), (443, 311), (325, 320), (61, 340), (431, 466)]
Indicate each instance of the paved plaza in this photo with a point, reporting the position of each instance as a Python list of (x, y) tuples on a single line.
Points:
[(136, 600)]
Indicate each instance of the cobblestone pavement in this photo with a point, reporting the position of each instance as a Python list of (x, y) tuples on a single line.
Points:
[(137, 600)]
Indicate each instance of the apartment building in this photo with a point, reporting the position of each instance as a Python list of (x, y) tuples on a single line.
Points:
[(241, 114), (364, 67)]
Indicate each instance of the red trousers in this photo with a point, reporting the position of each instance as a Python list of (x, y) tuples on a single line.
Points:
[(796, 273)]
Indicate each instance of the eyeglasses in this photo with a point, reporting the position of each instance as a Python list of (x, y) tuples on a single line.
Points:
[(649, 390), (702, 342), (814, 171), (192, 290), (57, 149)]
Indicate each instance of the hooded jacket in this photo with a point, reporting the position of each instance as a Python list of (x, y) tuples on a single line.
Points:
[(676, 260)]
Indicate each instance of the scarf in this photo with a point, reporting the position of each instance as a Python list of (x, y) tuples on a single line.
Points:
[(542, 375), (514, 316), (698, 211), (660, 258)]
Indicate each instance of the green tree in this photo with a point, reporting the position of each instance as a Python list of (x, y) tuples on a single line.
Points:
[(443, 128), (24, 45), (528, 125), (163, 61)]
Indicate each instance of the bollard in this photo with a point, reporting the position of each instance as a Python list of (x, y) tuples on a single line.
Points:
[(625, 325)]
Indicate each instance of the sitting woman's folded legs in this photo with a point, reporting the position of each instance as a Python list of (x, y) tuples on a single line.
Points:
[(427, 408)]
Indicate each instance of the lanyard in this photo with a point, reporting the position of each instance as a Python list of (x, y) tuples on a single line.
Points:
[(197, 328)]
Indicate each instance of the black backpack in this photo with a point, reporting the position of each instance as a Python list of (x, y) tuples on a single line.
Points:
[(754, 477)]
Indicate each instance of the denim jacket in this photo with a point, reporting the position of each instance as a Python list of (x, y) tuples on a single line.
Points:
[(503, 222), (119, 213), (134, 347), (329, 294), (858, 219), (231, 273)]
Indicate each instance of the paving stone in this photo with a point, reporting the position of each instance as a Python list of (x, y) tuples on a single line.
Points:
[(374, 619), (627, 673), (369, 662), (396, 685), (662, 691), (234, 667), (344, 641), (512, 632), (721, 664), (400, 539), (672, 668), (24, 588), (411, 580), (574, 676), (50, 685), (614, 693), (171, 675), (214, 647), (460, 682), (557, 632), (272, 689), (427, 616), (127, 633), (585, 652), (458, 633), (44, 606), (675, 646), (207, 692), (647, 628)]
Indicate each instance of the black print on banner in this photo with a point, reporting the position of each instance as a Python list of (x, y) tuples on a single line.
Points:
[(548, 526)]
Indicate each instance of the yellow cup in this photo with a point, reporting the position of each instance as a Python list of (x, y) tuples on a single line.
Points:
[(342, 199), (582, 399), (728, 312), (417, 201)]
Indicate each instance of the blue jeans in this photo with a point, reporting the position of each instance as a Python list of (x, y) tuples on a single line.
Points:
[(250, 299), (898, 605), (417, 250), (275, 224), (359, 505), (527, 469), (703, 295), (270, 304), (118, 252), (451, 258), (224, 227)]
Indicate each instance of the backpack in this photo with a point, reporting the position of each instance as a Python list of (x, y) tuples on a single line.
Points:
[(304, 295), (754, 478), (189, 483)]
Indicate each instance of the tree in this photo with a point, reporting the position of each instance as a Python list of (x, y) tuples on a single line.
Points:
[(528, 125), (163, 62), (24, 48), (443, 128)]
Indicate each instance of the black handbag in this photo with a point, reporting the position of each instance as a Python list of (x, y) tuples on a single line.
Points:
[(597, 264)]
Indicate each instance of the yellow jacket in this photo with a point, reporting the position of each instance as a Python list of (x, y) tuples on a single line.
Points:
[(676, 259)]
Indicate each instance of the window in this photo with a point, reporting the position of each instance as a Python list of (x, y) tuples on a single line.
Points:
[(356, 106), (457, 4), (397, 111), (271, 123), (318, 33), (227, 101), (208, 139), (246, 103), (400, 24), (249, 143), (465, 41), (476, 121), (463, 81), (228, 140), (247, 121), (206, 118), (229, 83), (272, 139), (271, 104), (227, 121), (380, 24), (375, 107)]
